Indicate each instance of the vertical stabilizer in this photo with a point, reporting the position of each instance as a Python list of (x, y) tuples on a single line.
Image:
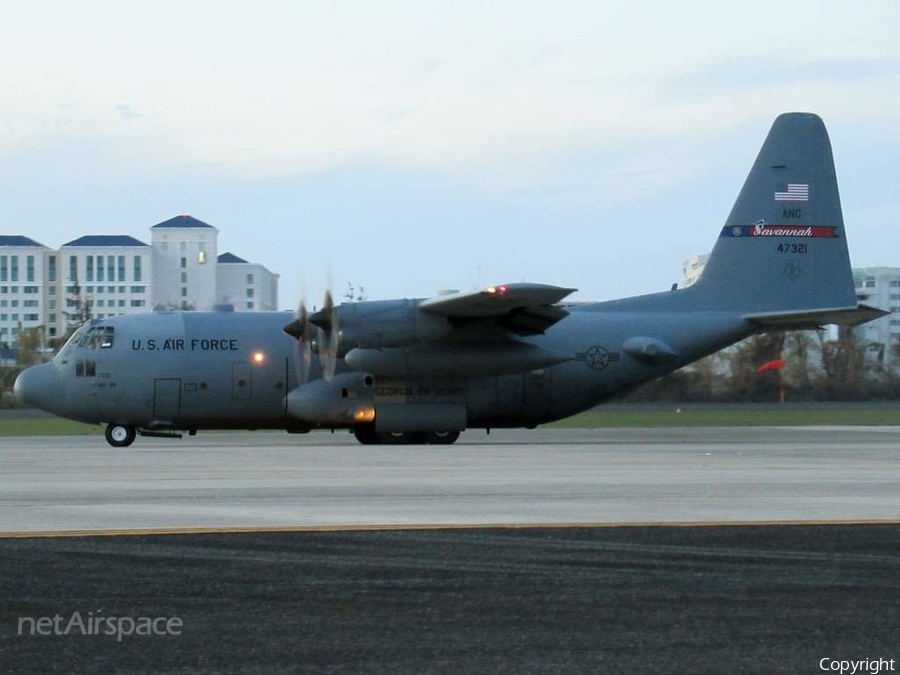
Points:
[(783, 247)]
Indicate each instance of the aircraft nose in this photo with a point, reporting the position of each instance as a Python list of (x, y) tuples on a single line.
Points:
[(38, 386)]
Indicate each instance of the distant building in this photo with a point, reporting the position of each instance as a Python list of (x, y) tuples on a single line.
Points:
[(28, 270), (118, 274), (247, 286), (184, 259), (880, 287), (692, 268), (113, 272)]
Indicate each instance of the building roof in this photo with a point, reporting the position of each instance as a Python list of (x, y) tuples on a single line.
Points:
[(182, 221), (229, 257), (105, 240), (18, 240)]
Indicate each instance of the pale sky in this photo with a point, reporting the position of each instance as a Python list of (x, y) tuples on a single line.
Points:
[(416, 146)]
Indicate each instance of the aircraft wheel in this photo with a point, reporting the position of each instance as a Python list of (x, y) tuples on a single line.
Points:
[(442, 437), (366, 435), (396, 438), (120, 435)]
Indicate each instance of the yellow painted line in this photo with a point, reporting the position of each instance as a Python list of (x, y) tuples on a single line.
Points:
[(431, 527)]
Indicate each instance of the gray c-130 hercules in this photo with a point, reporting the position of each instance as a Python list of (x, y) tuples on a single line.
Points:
[(504, 356)]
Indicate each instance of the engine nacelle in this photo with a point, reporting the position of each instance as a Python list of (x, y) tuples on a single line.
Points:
[(387, 323), (346, 400)]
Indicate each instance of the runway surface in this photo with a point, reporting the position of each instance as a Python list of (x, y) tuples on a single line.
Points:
[(312, 561), (228, 480)]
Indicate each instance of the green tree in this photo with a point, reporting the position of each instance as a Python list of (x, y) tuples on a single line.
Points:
[(31, 340)]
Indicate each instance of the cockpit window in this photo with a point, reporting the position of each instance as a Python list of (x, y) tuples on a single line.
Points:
[(98, 337)]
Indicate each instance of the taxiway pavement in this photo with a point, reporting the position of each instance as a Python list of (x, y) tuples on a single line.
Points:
[(546, 476)]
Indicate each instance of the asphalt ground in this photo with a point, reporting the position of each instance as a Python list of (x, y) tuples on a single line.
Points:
[(693, 599)]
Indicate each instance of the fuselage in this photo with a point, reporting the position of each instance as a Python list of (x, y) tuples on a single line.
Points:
[(219, 370)]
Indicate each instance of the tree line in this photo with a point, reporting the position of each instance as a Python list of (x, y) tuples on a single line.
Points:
[(815, 368)]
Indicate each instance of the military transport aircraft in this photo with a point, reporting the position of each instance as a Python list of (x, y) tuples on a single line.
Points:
[(514, 355)]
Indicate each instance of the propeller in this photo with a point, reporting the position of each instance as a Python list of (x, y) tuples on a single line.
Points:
[(299, 329), (328, 335), (325, 342)]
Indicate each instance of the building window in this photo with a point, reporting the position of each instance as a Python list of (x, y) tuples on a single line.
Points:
[(121, 289), (89, 268), (183, 292), (138, 303), (13, 268), (31, 317), (34, 303), (101, 275), (137, 289), (73, 268), (110, 289), (101, 303), (137, 268), (201, 257), (29, 268), (120, 262), (51, 267), (895, 284), (183, 263), (53, 290), (249, 292), (4, 268), (182, 246), (110, 268), (250, 305), (184, 277), (249, 279), (52, 318)]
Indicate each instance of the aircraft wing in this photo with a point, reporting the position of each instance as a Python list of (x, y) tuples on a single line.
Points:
[(523, 308)]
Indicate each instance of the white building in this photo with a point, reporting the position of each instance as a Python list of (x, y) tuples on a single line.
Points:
[(27, 270), (247, 286), (184, 262), (118, 274), (880, 287), (692, 268), (114, 273)]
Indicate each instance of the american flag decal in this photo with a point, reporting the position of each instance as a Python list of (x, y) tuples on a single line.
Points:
[(795, 192)]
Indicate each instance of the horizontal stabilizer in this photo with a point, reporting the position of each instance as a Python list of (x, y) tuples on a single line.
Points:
[(815, 318)]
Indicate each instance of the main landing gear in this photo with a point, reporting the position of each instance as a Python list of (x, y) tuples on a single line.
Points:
[(120, 435), (367, 435)]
